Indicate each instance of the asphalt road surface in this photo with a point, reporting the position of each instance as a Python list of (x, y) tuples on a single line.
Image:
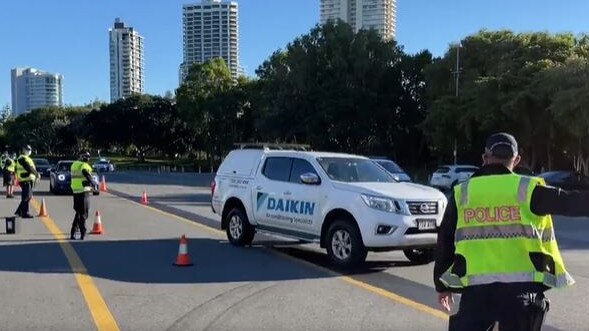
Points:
[(125, 279)]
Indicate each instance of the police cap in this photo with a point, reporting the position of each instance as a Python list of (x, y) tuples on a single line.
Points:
[(502, 145)]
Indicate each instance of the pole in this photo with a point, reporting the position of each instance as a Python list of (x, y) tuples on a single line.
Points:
[(457, 75)]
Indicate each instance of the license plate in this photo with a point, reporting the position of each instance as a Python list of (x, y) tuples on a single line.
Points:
[(426, 224)]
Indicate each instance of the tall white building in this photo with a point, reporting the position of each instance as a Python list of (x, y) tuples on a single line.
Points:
[(210, 29), (363, 14), (126, 61), (32, 88)]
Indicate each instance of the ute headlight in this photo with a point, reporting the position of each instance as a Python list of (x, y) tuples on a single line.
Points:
[(381, 203), (61, 177)]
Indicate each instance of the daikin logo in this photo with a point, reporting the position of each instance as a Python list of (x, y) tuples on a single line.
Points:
[(299, 207)]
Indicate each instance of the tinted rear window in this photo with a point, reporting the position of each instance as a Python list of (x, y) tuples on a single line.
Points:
[(555, 175), (390, 166), (277, 168), (443, 170), (466, 169), (64, 166)]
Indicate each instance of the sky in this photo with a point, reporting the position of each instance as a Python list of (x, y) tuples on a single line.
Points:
[(70, 37)]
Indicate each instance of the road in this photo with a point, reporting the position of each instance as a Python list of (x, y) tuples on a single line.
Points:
[(124, 279)]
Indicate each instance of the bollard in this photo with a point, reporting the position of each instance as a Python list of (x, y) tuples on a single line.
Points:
[(199, 170)]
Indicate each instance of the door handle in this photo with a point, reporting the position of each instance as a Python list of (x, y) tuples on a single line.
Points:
[(258, 188), (288, 193)]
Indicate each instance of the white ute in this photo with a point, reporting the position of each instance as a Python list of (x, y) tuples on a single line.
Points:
[(348, 204)]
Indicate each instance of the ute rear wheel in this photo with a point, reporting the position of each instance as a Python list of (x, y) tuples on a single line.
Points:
[(239, 230)]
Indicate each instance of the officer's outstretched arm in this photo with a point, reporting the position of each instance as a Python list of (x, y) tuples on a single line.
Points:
[(547, 200)]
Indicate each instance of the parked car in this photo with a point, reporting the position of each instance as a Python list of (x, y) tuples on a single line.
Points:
[(103, 165), (398, 173), (566, 180), (446, 176), (60, 179), (347, 204), (43, 166)]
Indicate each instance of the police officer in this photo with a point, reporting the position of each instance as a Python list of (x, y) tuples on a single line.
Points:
[(26, 175), (496, 244), (8, 169), (81, 184)]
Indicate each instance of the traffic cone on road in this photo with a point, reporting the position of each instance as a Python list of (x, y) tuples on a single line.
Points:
[(182, 260), (97, 228), (43, 210), (103, 185), (144, 199)]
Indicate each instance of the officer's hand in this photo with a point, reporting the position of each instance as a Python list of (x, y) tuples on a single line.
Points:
[(446, 300)]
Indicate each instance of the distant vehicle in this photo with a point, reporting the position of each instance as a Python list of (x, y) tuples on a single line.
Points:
[(445, 177), (566, 180), (398, 173), (103, 165), (43, 166), (60, 179), (347, 204)]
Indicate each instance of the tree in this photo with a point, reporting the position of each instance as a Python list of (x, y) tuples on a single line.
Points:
[(566, 84), (143, 122), (344, 91), (499, 90), (207, 102)]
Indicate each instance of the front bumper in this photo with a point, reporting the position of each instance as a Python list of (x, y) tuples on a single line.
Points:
[(405, 234)]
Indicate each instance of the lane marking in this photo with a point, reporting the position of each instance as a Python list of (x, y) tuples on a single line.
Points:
[(350, 280), (101, 316), (178, 218), (371, 288)]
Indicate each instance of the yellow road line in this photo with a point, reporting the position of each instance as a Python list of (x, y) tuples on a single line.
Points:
[(102, 317), (370, 288)]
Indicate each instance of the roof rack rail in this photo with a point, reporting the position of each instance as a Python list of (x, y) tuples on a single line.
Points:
[(269, 146)]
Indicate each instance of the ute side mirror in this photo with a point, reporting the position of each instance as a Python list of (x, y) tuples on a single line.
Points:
[(310, 179)]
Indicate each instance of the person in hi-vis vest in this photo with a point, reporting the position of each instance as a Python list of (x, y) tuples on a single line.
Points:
[(8, 170), (497, 246), (81, 184), (27, 175)]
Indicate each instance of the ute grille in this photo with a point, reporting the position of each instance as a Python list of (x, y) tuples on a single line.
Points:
[(423, 207)]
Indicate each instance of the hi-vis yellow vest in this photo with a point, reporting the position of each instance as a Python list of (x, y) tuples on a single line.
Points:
[(499, 239), (78, 178), (22, 174)]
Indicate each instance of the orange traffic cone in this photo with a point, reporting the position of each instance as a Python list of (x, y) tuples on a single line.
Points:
[(103, 185), (144, 198), (43, 210), (183, 260), (97, 228)]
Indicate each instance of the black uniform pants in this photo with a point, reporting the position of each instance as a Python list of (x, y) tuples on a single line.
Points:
[(81, 207), (26, 195), (515, 309)]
